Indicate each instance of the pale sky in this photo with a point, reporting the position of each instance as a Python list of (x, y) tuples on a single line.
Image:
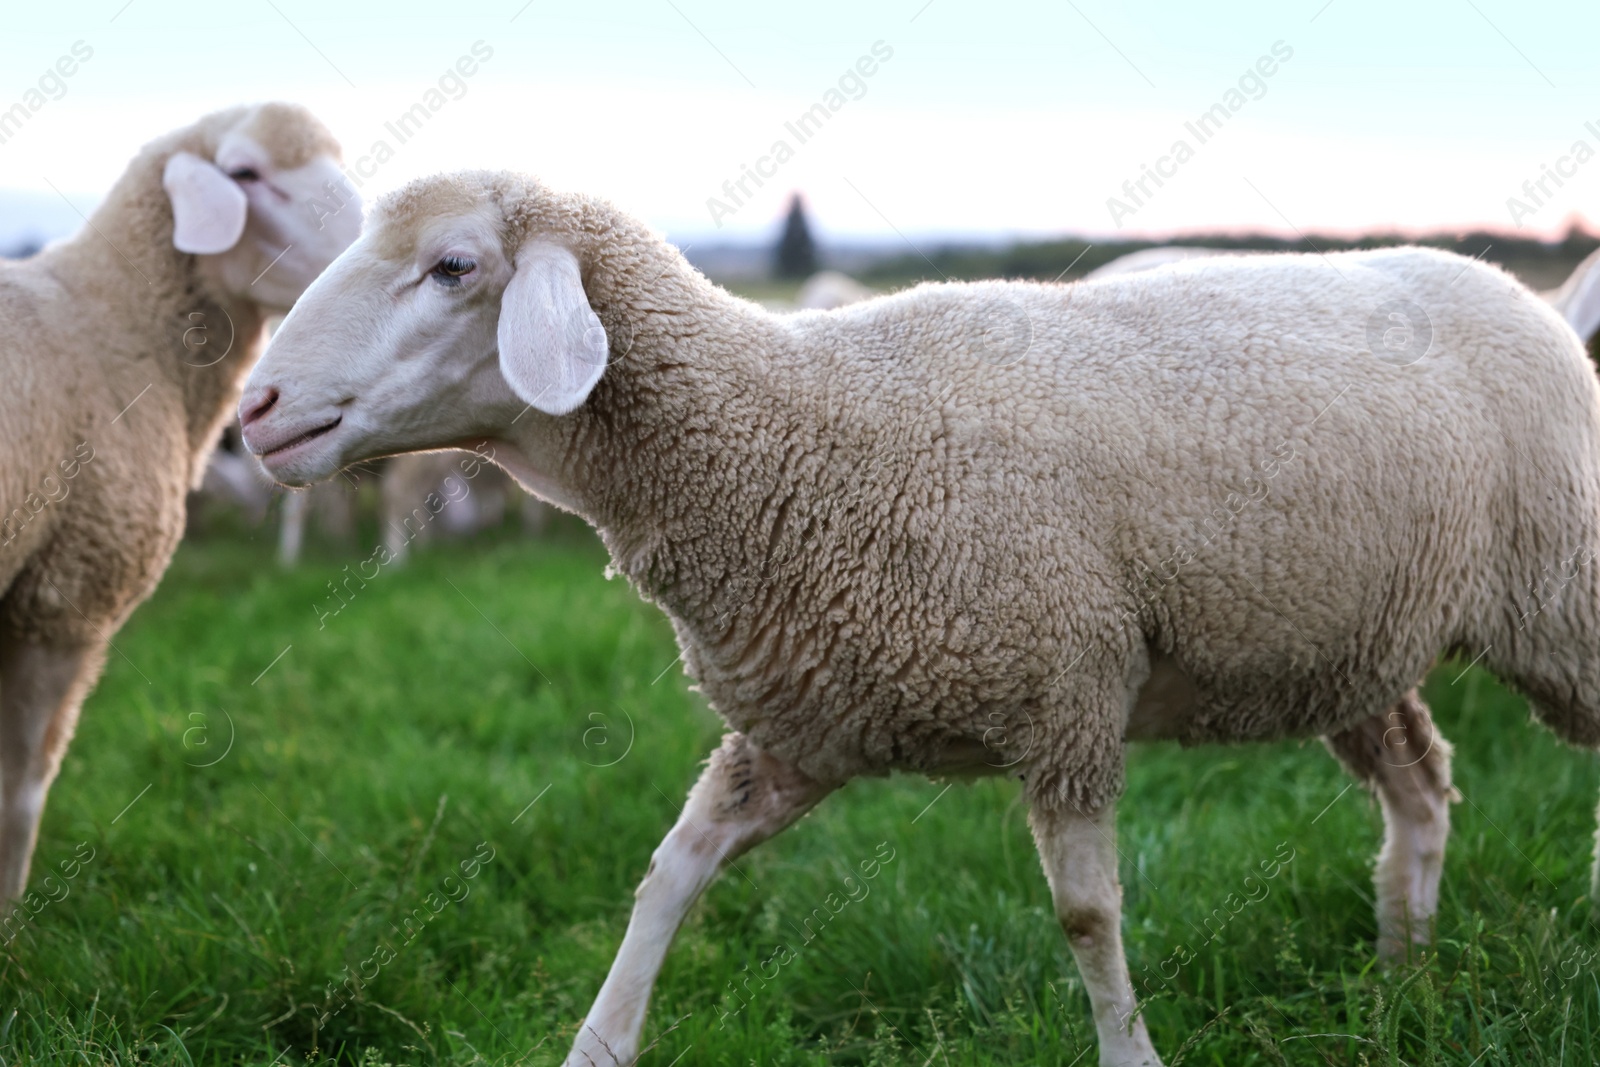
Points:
[(996, 118)]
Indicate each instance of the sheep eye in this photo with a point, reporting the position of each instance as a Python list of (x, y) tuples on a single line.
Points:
[(451, 269), (245, 174)]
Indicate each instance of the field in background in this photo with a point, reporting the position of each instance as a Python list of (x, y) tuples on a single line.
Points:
[(1541, 264), (230, 883), (896, 264)]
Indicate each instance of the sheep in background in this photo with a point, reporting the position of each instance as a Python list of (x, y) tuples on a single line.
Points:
[(1578, 299), (887, 532), (1150, 258), (331, 505), (234, 478), (407, 485), (828, 289), (123, 349), (466, 505)]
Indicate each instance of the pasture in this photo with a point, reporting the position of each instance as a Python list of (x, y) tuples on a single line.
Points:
[(409, 834)]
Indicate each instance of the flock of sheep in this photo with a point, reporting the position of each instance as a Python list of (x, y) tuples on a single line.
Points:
[(966, 529)]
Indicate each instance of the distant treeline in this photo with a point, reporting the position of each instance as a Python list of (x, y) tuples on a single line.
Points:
[(1541, 263)]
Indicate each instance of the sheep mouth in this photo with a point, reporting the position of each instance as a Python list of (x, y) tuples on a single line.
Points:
[(302, 439)]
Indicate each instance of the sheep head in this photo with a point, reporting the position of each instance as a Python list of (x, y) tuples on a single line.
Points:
[(444, 324), (257, 195)]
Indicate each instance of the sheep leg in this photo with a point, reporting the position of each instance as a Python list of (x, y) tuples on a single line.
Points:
[(1402, 757), (41, 688), (1079, 852), (292, 528), (744, 797)]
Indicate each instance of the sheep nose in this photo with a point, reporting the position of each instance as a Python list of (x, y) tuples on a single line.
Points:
[(256, 403)]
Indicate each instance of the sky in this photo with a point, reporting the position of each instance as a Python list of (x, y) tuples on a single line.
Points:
[(995, 119)]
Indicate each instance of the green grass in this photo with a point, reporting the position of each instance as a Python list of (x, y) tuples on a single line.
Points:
[(370, 760)]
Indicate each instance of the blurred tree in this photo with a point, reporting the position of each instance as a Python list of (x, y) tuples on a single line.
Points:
[(797, 253), (24, 248)]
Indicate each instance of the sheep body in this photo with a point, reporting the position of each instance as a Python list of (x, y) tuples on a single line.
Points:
[(113, 403), (997, 527), (83, 563), (872, 555)]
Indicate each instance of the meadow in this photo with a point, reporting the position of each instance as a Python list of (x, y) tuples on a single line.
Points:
[(409, 834)]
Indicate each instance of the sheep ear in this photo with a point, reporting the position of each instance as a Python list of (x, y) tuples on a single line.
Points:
[(552, 346), (208, 208), (1579, 299)]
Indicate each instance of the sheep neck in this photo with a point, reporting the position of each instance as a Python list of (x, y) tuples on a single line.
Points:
[(154, 307), (665, 458)]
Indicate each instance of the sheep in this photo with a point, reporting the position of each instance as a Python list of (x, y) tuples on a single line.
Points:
[(408, 487), (466, 504), (331, 504), (998, 527), (123, 349), (829, 289), (235, 481), (1578, 298), (1151, 258)]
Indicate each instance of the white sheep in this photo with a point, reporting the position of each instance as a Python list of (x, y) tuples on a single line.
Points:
[(419, 496), (236, 481), (122, 350), (469, 497), (829, 289), (1578, 298), (996, 527), (1151, 258), (333, 507)]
